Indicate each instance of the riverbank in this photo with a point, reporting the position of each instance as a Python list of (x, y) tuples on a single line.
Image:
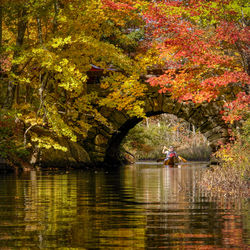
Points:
[(219, 181), (232, 176)]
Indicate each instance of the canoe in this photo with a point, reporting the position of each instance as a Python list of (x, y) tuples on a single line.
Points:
[(171, 161)]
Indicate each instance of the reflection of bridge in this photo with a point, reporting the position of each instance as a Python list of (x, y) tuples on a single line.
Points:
[(102, 143)]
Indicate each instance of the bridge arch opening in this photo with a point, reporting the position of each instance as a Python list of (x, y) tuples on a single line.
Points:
[(151, 134)]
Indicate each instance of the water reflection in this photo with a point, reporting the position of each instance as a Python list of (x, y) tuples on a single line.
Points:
[(139, 206)]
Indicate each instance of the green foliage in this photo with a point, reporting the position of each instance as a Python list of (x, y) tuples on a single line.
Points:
[(47, 143)]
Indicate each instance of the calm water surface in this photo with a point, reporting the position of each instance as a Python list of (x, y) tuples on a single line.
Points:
[(142, 206)]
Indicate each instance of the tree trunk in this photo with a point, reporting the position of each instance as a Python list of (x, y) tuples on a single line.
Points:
[(21, 28), (1, 33), (39, 30), (245, 55), (1, 25), (55, 23)]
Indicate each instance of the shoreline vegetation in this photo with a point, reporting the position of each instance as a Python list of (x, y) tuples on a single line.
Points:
[(232, 176), (221, 181)]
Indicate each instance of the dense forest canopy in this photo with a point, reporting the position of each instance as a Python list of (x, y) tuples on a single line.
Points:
[(49, 46), (47, 49)]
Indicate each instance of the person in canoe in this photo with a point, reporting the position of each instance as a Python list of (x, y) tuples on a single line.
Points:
[(171, 155)]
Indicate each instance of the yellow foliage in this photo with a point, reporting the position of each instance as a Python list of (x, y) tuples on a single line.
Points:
[(127, 94), (47, 143), (52, 70)]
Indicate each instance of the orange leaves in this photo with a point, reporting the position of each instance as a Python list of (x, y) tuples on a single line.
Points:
[(120, 11), (234, 110), (118, 5), (201, 48), (226, 78), (231, 32)]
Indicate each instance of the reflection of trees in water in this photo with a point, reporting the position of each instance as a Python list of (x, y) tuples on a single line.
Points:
[(43, 208), (179, 214), (137, 207), (108, 218)]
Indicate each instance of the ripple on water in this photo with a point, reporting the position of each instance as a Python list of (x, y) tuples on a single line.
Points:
[(140, 206)]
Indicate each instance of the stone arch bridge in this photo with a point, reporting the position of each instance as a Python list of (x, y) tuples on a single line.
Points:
[(103, 144)]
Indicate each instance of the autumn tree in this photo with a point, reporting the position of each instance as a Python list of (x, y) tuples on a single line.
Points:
[(204, 51), (51, 46), (48, 48)]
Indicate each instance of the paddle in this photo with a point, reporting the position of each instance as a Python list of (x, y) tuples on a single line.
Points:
[(182, 159)]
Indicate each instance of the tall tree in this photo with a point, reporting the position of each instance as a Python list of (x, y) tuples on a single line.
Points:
[(1, 32), (21, 28)]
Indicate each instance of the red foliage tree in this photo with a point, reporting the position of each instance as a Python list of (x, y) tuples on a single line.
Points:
[(204, 50)]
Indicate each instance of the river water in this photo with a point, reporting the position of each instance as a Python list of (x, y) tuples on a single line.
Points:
[(142, 206)]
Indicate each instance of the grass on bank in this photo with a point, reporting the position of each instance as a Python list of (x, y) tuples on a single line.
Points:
[(232, 177)]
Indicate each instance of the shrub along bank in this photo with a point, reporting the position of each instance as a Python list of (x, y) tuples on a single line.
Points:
[(232, 177)]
